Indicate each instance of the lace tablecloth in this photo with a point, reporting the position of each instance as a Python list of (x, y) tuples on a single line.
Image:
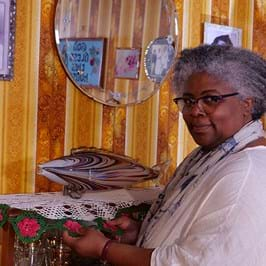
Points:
[(104, 204)]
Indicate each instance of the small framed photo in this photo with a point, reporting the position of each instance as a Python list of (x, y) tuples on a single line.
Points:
[(222, 35), (127, 63), (7, 38), (159, 57), (83, 60)]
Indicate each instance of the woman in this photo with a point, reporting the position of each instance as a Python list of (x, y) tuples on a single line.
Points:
[(213, 211)]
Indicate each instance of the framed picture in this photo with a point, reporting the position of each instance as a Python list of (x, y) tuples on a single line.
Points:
[(127, 63), (7, 38), (159, 57), (83, 60), (222, 35)]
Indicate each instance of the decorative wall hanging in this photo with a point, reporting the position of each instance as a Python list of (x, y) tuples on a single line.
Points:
[(222, 35), (127, 63), (159, 57), (128, 27), (83, 59), (7, 38)]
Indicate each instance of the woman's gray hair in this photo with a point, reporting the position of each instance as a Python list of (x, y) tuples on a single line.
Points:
[(243, 70)]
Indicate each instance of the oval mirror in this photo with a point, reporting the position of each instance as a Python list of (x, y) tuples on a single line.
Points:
[(117, 52)]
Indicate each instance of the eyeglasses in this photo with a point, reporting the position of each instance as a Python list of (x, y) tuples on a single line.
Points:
[(207, 103)]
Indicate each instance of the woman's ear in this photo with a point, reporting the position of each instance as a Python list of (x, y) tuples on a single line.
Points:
[(248, 104)]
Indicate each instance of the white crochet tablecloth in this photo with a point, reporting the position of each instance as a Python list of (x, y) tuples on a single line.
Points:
[(105, 204)]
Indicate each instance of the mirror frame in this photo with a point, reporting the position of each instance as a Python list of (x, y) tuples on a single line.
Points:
[(136, 84)]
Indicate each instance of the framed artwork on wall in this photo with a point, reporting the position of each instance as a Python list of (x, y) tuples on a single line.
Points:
[(159, 57), (83, 57), (222, 35), (127, 63), (7, 38)]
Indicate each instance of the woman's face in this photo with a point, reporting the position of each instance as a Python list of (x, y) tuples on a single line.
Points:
[(229, 115)]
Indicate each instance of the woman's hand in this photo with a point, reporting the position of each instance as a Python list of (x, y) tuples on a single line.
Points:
[(89, 244), (130, 228)]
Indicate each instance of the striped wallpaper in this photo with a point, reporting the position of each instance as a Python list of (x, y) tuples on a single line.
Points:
[(43, 115), (18, 105)]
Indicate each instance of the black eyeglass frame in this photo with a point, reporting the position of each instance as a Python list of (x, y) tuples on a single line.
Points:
[(193, 101)]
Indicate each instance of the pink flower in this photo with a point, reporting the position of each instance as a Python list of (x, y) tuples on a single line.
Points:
[(28, 227), (108, 226), (72, 226), (1, 217)]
